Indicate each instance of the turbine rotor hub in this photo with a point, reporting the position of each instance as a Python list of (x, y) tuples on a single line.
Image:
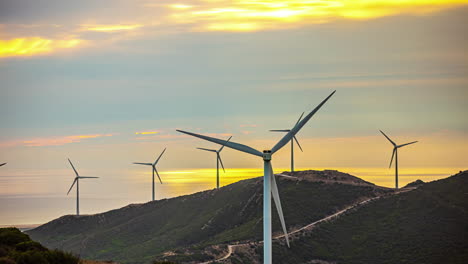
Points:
[(267, 155)]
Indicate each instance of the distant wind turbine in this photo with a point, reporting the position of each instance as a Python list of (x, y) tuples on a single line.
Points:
[(153, 165), (218, 161), (77, 178), (2, 164), (395, 154), (292, 141), (269, 182)]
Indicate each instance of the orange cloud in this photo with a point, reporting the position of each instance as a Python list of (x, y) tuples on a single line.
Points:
[(34, 46), (252, 15), (146, 133), (110, 28), (58, 141)]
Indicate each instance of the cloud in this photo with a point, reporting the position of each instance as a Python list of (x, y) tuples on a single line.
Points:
[(110, 28), (30, 46), (190, 15), (52, 141), (248, 15), (147, 133)]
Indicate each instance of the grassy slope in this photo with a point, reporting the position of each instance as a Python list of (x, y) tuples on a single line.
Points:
[(136, 234), (427, 225)]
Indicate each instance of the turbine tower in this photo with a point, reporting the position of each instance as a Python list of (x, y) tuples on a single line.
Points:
[(292, 142), (395, 154), (153, 165), (77, 178), (269, 182), (2, 164), (218, 161)]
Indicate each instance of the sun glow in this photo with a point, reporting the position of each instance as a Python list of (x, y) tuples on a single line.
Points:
[(34, 46), (379, 176)]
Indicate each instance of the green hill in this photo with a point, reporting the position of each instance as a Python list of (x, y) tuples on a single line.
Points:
[(140, 233), (426, 225)]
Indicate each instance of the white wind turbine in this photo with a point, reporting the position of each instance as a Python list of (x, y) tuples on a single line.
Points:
[(153, 165), (218, 161), (77, 178), (292, 142), (269, 183), (395, 153)]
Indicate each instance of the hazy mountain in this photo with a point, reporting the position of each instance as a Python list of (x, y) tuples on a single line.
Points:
[(140, 233)]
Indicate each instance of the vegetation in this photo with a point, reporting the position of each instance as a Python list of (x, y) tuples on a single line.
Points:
[(17, 248)]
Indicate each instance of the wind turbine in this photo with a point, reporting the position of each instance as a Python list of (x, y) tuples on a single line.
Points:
[(218, 161), (395, 153), (2, 164), (292, 142), (153, 165), (269, 183), (77, 178)]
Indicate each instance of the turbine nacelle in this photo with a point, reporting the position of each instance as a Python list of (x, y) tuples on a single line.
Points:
[(267, 155)]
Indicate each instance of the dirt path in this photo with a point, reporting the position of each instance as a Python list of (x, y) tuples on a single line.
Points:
[(231, 248)]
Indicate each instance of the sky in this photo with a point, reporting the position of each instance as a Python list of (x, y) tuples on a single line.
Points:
[(107, 83)]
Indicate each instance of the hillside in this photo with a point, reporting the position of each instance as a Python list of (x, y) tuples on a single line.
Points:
[(139, 233), (425, 225)]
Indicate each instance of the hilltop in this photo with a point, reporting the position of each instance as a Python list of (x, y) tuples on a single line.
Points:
[(142, 232), (423, 225)]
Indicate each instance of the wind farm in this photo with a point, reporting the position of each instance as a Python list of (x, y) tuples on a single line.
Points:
[(291, 99)]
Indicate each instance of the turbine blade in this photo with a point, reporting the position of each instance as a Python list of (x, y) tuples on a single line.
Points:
[(230, 144), (156, 162), (73, 168), (219, 158), (388, 138), (276, 198), (280, 130), (393, 154), (298, 127), (297, 141), (224, 145), (72, 185), (155, 170), (139, 163), (88, 177), (212, 150), (2, 164), (300, 118), (406, 144)]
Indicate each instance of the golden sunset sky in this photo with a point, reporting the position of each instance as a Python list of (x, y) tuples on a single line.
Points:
[(106, 83)]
